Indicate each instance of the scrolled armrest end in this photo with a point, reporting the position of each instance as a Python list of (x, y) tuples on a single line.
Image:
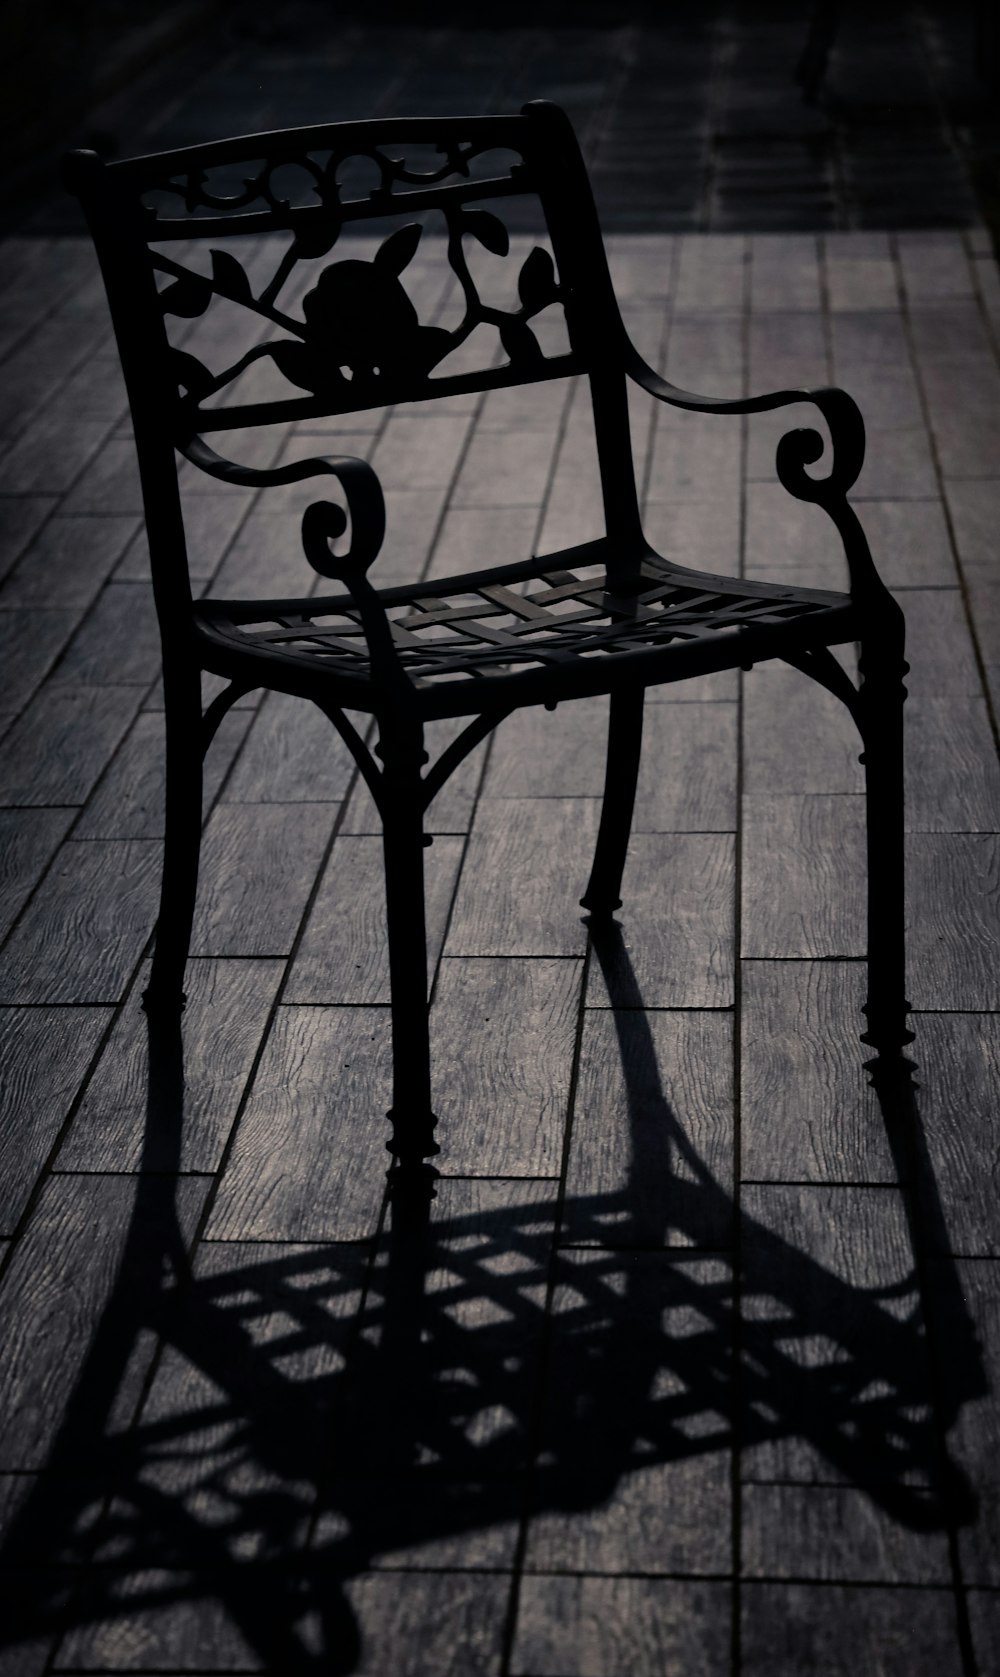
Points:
[(322, 523), (803, 447)]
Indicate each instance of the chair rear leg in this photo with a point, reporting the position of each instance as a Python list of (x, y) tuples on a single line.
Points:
[(603, 893), (883, 694), (182, 842), (411, 1116)]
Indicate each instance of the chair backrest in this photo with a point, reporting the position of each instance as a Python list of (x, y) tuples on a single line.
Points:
[(332, 323), (310, 310)]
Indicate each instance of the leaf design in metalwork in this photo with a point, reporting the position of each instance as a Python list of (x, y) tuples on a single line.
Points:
[(536, 283), (229, 278), (519, 341), (398, 249), (301, 366), (191, 376), (487, 228), (188, 297), (313, 242)]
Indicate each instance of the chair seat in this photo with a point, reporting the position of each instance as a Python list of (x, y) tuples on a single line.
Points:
[(542, 630)]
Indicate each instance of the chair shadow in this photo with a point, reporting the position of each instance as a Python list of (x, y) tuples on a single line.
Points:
[(317, 1413)]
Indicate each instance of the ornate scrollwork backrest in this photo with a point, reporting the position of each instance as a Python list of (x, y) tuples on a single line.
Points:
[(349, 334)]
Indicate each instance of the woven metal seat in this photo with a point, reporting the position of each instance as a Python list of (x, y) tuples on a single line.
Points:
[(330, 328), (529, 634)]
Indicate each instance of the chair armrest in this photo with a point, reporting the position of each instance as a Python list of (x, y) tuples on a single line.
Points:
[(324, 521), (360, 483), (796, 450)]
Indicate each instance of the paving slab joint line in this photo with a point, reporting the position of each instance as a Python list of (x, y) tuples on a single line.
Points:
[(925, 407), (535, 1419)]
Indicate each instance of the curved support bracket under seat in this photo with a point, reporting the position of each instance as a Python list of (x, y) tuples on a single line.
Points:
[(820, 665), (219, 707), (439, 772), (458, 750), (359, 750)]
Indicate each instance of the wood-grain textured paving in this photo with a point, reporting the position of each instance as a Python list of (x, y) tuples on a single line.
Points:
[(691, 114), (694, 1371)]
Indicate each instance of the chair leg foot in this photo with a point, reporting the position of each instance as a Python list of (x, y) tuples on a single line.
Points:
[(412, 1140), (886, 1030), (600, 908)]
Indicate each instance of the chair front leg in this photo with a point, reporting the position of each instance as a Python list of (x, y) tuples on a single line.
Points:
[(182, 840), (603, 893), (411, 1116), (881, 718)]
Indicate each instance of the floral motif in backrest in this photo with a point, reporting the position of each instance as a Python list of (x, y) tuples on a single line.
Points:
[(358, 326)]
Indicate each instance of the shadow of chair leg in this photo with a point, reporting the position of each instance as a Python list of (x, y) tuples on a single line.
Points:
[(603, 893), (956, 1370)]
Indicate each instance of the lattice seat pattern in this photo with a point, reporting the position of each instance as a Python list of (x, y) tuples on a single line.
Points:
[(560, 616)]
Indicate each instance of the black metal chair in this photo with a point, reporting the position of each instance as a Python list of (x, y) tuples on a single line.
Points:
[(609, 616)]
